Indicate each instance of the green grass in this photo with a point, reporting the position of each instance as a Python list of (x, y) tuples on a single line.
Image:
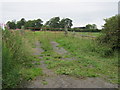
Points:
[(44, 82), (37, 63), (30, 73), (17, 56), (90, 33), (91, 58), (91, 61)]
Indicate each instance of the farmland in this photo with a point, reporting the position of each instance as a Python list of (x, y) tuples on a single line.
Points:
[(41, 54), (59, 44)]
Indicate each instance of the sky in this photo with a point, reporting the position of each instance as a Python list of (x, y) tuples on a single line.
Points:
[(82, 12)]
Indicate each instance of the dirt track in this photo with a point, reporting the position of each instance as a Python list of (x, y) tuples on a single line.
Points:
[(52, 80)]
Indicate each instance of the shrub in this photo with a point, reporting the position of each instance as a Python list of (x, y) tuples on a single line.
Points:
[(110, 32)]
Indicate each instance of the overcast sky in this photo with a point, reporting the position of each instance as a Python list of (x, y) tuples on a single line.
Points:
[(81, 12)]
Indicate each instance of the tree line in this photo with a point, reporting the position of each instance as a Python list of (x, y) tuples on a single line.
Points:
[(54, 23), (110, 29)]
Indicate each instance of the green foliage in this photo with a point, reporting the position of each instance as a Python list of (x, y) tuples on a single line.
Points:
[(53, 22), (84, 30), (64, 22), (58, 24), (87, 28), (16, 56), (20, 23), (30, 73), (91, 26), (35, 24), (11, 25), (110, 32)]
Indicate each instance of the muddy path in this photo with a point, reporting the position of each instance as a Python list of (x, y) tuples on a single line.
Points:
[(52, 80)]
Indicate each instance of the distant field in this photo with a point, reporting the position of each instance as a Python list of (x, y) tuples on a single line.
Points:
[(94, 34), (90, 33)]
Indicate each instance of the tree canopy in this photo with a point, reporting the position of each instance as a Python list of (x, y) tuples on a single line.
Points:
[(34, 24), (11, 24), (55, 22), (30, 23), (66, 21), (20, 23), (91, 26)]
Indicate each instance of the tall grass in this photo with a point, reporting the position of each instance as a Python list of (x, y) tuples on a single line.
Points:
[(16, 59)]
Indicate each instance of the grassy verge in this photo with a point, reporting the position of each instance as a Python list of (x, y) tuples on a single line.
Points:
[(17, 59)]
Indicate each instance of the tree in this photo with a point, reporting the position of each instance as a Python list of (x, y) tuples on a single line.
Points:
[(88, 26), (29, 23), (94, 26), (21, 23), (53, 22), (36, 24), (11, 25), (64, 22), (91, 26)]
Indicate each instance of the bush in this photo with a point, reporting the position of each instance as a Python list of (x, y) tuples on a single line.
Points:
[(110, 32)]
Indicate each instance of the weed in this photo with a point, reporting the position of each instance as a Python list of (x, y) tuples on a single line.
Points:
[(44, 82), (30, 73)]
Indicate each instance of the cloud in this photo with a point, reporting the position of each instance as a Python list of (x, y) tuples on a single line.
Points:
[(59, 0), (80, 12)]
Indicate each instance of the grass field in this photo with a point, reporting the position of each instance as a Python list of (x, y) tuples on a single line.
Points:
[(90, 59), (90, 33)]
